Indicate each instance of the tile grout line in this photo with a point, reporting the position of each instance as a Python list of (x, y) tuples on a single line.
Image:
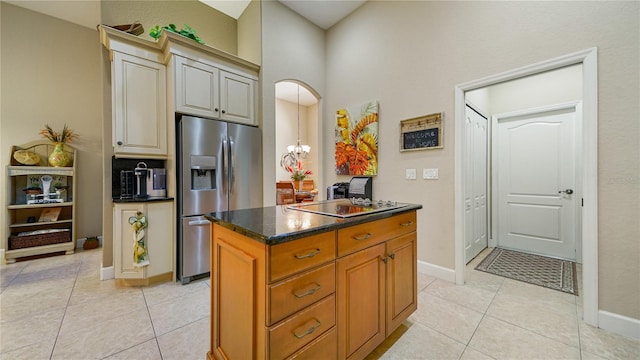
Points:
[(484, 313), (578, 315), (155, 335), (75, 281), (453, 302)]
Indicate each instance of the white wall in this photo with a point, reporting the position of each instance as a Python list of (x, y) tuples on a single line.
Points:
[(292, 48), (410, 56), (249, 33), (549, 88), (51, 75)]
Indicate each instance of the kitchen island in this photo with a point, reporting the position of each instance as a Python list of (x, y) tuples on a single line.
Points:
[(287, 283)]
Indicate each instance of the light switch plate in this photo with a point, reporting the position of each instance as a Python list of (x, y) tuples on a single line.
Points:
[(410, 174), (430, 174)]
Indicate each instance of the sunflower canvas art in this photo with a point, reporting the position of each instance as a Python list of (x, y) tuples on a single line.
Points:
[(357, 140)]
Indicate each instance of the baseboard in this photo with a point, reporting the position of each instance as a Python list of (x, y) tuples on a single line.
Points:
[(436, 271), (619, 324), (107, 273)]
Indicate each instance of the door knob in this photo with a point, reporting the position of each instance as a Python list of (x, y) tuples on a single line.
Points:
[(568, 191)]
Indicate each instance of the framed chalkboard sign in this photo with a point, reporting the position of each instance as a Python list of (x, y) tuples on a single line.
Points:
[(421, 133)]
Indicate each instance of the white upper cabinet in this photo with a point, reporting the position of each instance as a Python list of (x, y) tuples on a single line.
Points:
[(139, 106), (197, 88), (205, 90), (151, 81)]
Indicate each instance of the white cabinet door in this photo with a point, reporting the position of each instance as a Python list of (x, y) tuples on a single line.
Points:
[(237, 96), (160, 238), (123, 241), (139, 106), (197, 88), (204, 90)]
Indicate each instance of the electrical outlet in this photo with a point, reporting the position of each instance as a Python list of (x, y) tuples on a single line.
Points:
[(430, 174), (410, 174)]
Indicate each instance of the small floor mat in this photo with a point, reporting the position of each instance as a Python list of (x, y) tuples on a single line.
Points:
[(539, 270)]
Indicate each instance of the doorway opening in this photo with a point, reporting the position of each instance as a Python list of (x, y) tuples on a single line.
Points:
[(588, 153), (297, 118)]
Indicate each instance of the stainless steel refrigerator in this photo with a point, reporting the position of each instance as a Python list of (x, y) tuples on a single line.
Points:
[(219, 169)]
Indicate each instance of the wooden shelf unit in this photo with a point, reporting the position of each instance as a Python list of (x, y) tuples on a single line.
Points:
[(23, 217)]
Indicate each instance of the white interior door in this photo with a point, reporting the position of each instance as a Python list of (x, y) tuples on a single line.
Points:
[(476, 129), (536, 181)]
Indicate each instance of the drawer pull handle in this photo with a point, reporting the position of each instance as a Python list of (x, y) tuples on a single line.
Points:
[(309, 330), (308, 292), (408, 223), (312, 253), (384, 259), (363, 237), (392, 256)]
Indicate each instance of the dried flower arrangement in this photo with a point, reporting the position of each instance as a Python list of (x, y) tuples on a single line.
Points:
[(65, 136)]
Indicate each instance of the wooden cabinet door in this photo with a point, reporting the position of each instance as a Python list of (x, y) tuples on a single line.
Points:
[(237, 98), (401, 280), (123, 242), (361, 302), (139, 106), (197, 88), (238, 279)]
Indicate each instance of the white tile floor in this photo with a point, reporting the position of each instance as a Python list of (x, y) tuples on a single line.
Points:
[(57, 308)]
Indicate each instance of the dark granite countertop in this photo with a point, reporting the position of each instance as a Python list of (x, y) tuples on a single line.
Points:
[(278, 224), (154, 199)]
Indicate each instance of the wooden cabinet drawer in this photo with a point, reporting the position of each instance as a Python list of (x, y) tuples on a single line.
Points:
[(322, 348), (291, 295), (294, 256), (364, 235), (301, 329)]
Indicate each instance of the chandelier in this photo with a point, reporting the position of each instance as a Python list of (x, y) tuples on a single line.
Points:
[(295, 152)]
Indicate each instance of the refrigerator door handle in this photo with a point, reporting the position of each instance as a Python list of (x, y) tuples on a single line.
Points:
[(199, 222), (231, 162), (225, 166)]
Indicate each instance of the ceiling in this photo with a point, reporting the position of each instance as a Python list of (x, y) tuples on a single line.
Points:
[(323, 13)]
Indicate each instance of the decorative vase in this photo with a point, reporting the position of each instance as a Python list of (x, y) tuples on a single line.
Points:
[(297, 184), (59, 158)]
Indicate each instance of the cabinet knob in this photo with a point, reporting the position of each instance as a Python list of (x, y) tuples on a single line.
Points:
[(224, 112), (216, 109), (119, 143)]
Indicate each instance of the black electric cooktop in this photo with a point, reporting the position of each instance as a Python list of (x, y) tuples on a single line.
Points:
[(344, 208)]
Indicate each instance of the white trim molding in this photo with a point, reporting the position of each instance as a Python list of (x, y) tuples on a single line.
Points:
[(619, 324), (589, 60), (436, 271), (107, 273)]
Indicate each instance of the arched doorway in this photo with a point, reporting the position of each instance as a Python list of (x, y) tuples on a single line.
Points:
[(297, 118)]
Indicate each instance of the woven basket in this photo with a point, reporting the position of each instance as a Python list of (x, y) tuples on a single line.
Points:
[(25, 241), (134, 29)]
